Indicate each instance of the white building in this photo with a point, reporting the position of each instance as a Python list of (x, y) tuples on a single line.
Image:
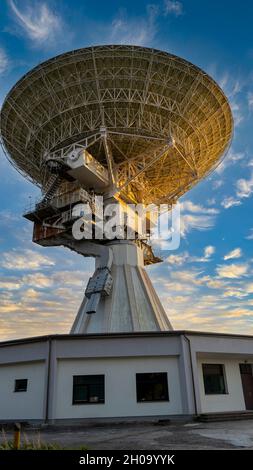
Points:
[(161, 374)]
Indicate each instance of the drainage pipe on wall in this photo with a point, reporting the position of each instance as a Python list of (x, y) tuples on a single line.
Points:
[(192, 374)]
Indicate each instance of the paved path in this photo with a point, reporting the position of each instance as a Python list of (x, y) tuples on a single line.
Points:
[(148, 436)]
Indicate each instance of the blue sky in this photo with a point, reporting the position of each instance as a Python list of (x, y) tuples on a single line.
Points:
[(207, 284)]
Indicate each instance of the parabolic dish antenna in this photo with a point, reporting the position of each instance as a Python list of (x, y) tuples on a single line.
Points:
[(156, 122)]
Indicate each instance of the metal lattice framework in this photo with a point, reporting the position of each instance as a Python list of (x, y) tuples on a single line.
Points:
[(158, 123)]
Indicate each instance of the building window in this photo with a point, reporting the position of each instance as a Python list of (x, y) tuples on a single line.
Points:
[(152, 387), (214, 379), (20, 385), (88, 389)]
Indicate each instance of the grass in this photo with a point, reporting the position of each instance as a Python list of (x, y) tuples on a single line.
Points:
[(33, 444)]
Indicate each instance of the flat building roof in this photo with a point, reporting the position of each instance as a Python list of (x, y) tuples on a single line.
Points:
[(142, 334)]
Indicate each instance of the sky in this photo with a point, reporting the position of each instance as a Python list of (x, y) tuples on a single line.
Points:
[(207, 283)]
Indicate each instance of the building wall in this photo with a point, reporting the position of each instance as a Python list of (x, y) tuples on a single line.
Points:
[(120, 387), (119, 358), (234, 399), (22, 405)]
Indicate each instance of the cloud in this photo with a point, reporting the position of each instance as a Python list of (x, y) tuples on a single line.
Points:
[(173, 7), (30, 294), (38, 280), (197, 208), (232, 271), (177, 260), (250, 101), (239, 294), (24, 260), (214, 283), (137, 30), (71, 278), (9, 283), (250, 236), (4, 61), (126, 30), (196, 217), (232, 87), (231, 159), (183, 281), (201, 310), (186, 275), (177, 286), (240, 313), (195, 222), (237, 113), (37, 21), (236, 253), (34, 303), (249, 288), (209, 251), (217, 184), (8, 218), (230, 202), (179, 299), (244, 188)]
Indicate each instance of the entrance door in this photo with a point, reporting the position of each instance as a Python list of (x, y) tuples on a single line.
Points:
[(247, 384)]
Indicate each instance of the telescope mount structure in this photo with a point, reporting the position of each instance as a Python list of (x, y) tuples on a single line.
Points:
[(130, 124)]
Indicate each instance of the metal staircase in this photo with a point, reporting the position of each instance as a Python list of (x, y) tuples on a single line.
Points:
[(53, 184)]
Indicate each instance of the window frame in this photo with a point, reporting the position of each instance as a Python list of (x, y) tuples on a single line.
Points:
[(87, 402), (16, 390), (162, 400), (223, 375)]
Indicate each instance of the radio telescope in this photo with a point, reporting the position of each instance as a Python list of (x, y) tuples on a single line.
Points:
[(132, 124)]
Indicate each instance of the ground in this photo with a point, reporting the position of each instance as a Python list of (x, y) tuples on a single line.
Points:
[(150, 436)]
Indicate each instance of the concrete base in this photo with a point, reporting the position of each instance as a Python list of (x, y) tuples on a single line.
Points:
[(133, 304)]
